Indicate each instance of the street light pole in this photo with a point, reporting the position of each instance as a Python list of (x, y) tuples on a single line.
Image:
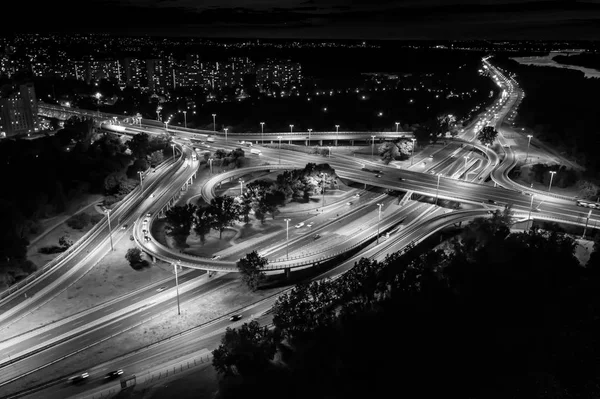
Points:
[(185, 119), (141, 181), (173, 146), (177, 285), (337, 134), (530, 209), (323, 189), (262, 133), (529, 136), (241, 187), (397, 124), (552, 173), (437, 189), (279, 137), (412, 158), (586, 223), (287, 238), (292, 129), (372, 145), (214, 122), (379, 221), (226, 129), (309, 131), (107, 211), (167, 126)]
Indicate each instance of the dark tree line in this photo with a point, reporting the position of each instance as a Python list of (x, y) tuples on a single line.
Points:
[(501, 315)]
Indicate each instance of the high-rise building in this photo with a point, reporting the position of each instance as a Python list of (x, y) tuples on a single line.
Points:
[(136, 73), (19, 111)]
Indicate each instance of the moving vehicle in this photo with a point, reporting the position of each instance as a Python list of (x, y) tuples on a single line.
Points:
[(78, 379), (255, 151), (161, 289), (588, 204), (148, 214), (215, 257), (348, 203), (124, 227), (113, 374), (210, 139), (316, 236), (356, 195), (299, 225), (310, 224), (235, 317)]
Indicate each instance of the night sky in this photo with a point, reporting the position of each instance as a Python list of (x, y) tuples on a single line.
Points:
[(335, 19)]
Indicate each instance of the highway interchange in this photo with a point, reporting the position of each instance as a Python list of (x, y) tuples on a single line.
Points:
[(409, 222)]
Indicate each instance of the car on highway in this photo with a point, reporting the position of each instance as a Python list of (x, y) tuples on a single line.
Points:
[(78, 379), (299, 225), (161, 289), (316, 236), (215, 257), (311, 224), (124, 227), (235, 317), (378, 175), (356, 195), (113, 374), (348, 203), (148, 214), (146, 221)]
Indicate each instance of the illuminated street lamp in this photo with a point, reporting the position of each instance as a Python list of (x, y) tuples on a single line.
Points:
[(379, 221), (262, 132), (529, 136), (185, 119), (437, 189), (167, 125), (226, 129), (372, 145), (287, 239), (107, 211), (309, 131), (412, 158), (552, 173), (241, 187), (337, 132), (173, 147), (279, 137), (141, 181), (291, 128), (214, 122), (397, 125)]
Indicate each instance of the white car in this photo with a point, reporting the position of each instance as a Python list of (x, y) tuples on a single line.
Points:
[(310, 224), (299, 225)]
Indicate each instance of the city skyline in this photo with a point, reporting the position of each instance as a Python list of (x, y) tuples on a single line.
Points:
[(332, 19)]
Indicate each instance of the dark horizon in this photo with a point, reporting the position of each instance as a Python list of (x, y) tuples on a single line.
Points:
[(328, 19)]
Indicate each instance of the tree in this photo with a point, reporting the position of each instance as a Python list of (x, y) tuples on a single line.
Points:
[(395, 150), (179, 222), (246, 351), (65, 241), (202, 223), (134, 256), (139, 145), (156, 158), (222, 213), (587, 189), (251, 267), (244, 207), (487, 135)]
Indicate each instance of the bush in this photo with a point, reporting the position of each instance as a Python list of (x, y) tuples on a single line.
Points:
[(79, 221), (111, 200), (96, 218), (52, 249)]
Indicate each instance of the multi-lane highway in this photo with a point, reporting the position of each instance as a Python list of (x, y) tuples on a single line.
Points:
[(41, 348)]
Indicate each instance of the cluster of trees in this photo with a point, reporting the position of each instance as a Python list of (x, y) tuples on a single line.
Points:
[(260, 198), (500, 315), (487, 135), (396, 150), (564, 177), (232, 159)]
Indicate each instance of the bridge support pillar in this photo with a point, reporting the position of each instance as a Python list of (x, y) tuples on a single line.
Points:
[(290, 142), (320, 142), (287, 273), (336, 142), (352, 143)]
